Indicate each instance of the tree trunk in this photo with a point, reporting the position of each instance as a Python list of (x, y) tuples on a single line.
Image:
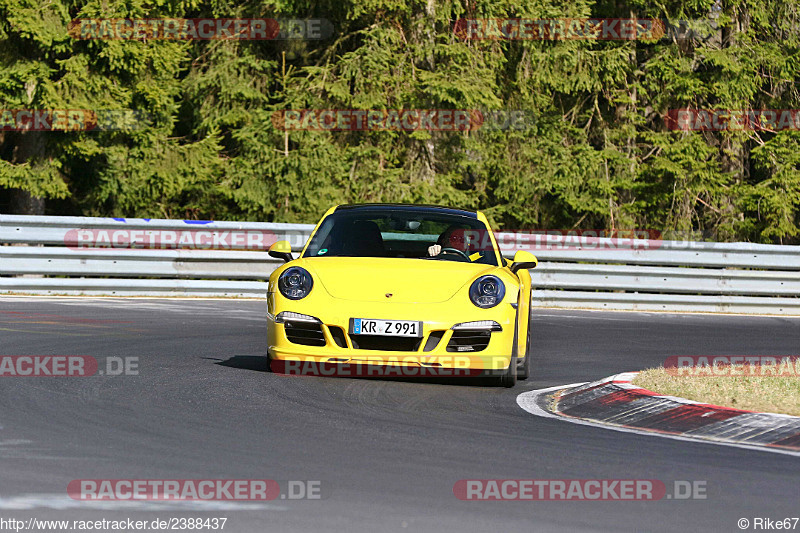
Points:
[(24, 203), (30, 147)]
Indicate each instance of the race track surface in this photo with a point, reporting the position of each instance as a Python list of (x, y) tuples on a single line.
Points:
[(387, 453)]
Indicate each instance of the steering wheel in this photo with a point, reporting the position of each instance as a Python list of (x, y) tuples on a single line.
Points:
[(455, 251)]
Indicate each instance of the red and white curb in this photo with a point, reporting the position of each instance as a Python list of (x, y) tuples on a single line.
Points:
[(615, 403)]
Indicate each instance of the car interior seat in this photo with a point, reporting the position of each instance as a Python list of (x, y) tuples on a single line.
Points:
[(365, 240)]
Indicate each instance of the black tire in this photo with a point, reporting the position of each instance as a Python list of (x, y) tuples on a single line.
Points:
[(524, 370), (509, 376)]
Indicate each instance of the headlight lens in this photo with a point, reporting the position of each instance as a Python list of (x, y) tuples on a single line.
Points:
[(295, 283), (487, 291)]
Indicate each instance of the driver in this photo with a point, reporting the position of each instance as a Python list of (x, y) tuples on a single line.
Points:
[(452, 237)]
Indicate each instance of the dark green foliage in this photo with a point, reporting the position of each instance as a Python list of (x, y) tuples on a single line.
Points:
[(598, 154)]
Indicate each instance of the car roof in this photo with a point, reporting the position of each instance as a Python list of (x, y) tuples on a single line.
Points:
[(410, 208)]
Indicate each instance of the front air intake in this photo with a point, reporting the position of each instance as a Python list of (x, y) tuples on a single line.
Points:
[(385, 344), (303, 332), (465, 340)]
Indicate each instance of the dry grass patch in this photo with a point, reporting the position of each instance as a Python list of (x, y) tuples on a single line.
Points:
[(749, 387)]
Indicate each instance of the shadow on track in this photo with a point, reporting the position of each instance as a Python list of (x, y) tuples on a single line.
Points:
[(257, 363)]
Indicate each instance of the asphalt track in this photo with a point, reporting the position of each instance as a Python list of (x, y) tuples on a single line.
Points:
[(387, 453)]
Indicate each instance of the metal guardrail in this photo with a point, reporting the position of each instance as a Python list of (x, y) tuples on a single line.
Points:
[(139, 257), (675, 276), (133, 263), (56, 255), (60, 231)]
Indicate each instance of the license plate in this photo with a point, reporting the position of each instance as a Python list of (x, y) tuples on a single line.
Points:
[(389, 328)]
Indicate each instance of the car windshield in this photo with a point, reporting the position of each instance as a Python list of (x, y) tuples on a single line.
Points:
[(402, 234)]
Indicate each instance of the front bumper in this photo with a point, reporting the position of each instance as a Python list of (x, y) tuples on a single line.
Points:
[(440, 351)]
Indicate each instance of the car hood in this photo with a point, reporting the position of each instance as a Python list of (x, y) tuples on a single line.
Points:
[(370, 279)]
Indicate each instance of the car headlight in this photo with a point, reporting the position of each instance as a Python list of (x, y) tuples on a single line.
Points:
[(487, 291), (295, 283)]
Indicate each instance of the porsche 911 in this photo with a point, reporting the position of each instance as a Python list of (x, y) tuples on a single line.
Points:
[(422, 290)]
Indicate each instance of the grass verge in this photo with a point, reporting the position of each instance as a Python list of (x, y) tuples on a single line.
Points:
[(749, 387)]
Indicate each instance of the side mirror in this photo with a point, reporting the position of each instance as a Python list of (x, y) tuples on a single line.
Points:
[(281, 250), (523, 259)]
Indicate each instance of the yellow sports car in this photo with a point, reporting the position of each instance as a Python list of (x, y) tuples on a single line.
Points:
[(400, 290)]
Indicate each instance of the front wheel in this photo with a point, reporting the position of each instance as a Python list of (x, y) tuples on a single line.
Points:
[(509, 376), (524, 370)]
